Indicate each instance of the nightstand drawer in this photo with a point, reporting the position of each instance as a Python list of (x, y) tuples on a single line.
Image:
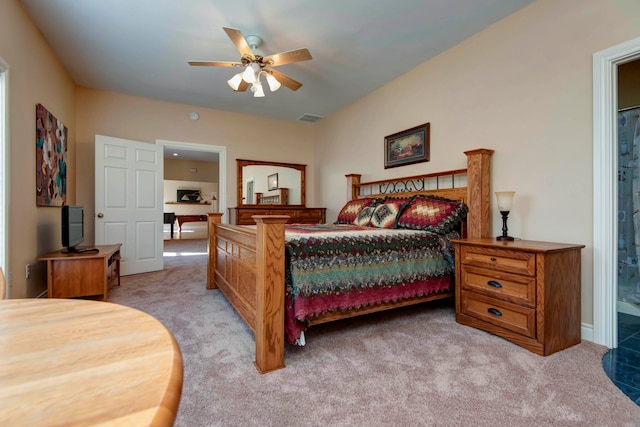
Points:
[(500, 313), (506, 286), (503, 259)]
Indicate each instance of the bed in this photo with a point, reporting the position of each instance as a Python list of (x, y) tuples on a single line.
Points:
[(283, 278)]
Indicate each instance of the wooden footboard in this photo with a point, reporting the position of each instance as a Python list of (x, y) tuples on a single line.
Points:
[(247, 264)]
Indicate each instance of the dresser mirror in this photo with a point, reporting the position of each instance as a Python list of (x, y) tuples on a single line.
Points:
[(270, 183)]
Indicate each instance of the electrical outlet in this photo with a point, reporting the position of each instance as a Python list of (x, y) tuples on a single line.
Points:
[(27, 271)]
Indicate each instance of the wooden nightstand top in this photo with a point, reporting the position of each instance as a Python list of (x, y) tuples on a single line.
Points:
[(523, 245)]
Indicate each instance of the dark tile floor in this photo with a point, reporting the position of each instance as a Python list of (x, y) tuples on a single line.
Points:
[(622, 364)]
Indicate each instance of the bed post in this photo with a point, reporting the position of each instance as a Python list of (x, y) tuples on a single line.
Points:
[(353, 191), (269, 327), (478, 192), (213, 219)]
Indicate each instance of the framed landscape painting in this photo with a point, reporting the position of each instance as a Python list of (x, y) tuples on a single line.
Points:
[(407, 147), (51, 159)]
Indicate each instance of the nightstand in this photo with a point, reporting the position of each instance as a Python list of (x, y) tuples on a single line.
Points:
[(524, 291)]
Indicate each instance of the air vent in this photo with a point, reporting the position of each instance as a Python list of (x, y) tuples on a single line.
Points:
[(311, 118)]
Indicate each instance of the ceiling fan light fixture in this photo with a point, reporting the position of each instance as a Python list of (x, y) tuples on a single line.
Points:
[(234, 81), (254, 63), (257, 90), (274, 84)]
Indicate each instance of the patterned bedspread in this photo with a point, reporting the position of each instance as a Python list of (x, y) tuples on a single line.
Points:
[(338, 267)]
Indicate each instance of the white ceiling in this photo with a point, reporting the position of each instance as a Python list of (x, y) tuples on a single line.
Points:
[(141, 47)]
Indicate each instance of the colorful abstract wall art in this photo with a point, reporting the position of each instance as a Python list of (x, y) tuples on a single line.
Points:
[(51, 159)]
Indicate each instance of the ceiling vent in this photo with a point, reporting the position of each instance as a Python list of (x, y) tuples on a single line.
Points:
[(311, 118)]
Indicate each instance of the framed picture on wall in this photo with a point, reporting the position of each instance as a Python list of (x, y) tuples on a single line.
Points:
[(407, 147), (272, 182), (51, 159), (188, 196)]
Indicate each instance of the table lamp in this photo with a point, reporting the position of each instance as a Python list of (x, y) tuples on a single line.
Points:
[(505, 202)]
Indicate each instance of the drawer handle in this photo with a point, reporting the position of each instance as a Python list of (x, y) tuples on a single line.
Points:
[(494, 311), (492, 259), (494, 284)]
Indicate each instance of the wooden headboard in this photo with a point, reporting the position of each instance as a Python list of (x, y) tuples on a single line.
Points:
[(470, 185)]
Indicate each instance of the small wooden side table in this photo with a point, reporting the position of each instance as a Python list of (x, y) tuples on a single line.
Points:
[(84, 274)]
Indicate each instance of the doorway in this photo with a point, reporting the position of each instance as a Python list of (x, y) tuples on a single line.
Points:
[(606, 257), (628, 189), (200, 152), (249, 192), (605, 181)]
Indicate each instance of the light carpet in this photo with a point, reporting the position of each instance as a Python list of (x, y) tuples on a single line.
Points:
[(408, 367)]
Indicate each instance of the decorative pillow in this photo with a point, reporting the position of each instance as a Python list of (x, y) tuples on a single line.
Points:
[(364, 217), (432, 213), (386, 214), (350, 211)]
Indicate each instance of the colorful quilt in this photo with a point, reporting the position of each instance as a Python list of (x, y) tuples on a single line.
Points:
[(332, 267)]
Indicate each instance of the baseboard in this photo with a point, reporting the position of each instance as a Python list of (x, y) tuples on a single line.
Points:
[(586, 332)]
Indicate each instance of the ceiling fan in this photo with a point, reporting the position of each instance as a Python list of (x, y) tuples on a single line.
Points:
[(255, 65)]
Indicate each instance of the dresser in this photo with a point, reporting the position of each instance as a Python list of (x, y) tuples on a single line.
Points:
[(527, 292), (299, 214)]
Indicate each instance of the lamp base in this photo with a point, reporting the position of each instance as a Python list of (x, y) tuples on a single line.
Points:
[(504, 236)]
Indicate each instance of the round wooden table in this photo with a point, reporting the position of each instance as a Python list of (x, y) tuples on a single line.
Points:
[(81, 362)]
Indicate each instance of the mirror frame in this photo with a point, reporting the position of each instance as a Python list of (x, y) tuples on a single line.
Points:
[(243, 162)]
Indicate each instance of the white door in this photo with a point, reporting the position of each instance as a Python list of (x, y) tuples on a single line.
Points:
[(129, 201)]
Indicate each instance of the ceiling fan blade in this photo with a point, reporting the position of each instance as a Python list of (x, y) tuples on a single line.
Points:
[(243, 86), (239, 41), (216, 63), (284, 79), (288, 57)]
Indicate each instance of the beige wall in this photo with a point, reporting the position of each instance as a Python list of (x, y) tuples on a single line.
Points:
[(522, 87), (35, 76)]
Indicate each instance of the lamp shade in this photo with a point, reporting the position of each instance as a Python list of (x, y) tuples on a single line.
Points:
[(234, 81), (505, 200), (250, 74), (274, 84), (258, 92)]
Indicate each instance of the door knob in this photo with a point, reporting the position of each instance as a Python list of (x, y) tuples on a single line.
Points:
[(100, 215)]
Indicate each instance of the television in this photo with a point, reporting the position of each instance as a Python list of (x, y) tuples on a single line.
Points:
[(73, 228)]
